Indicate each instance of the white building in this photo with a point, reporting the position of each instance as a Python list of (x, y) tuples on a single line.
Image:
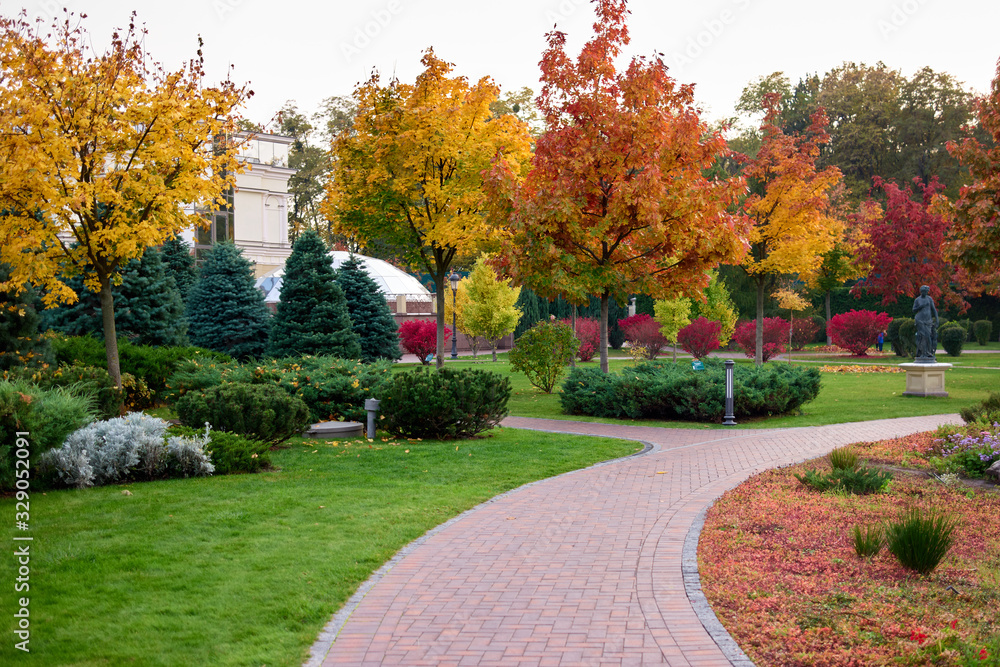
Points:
[(256, 217)]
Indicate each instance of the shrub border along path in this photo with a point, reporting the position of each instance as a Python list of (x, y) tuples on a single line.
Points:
[(592, 566)]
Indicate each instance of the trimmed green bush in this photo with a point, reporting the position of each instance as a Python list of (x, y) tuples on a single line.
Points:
[(892, 336), (920, 542), (868, 541), (444, 404), (332, 388), (672, 391), (259, 411), (231, 453), (47, 415), (982, 330), (542, 353), (906, 337), (953, 339)]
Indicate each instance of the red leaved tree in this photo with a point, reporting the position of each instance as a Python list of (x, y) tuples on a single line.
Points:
[(616, 201), (588, 332), (902, 247), (700, 337), (419, 337), (775, 333), (857, 330), (641, 329)]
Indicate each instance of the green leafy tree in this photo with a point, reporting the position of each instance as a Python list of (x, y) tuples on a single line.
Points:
[(312, 313), (672, 316), (179, 263), (20, 344), (491, 310), (148, 306), (371, 317), (718, 307), (226, 312)]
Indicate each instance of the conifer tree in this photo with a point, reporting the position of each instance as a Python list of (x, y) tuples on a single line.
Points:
[(148, 306), (20, 344), (370, 315), (226, 312), (179, 263), (312, 313)]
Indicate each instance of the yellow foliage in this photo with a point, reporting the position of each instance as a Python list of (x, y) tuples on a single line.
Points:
[(789, 299), (673, 315)]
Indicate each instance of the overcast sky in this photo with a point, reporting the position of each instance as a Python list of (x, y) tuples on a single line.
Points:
[(306, 51)]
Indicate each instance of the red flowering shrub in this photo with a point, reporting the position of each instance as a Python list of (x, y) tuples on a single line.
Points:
[(803, 331), (775, 336), (641, 329), (419, 337), (700, 337), (588, 332), (857, 330)]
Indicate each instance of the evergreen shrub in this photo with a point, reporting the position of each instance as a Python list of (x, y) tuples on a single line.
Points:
[(370, 315), (856, 481), (444, 404), (95, 382), (892, 337), (907, 337), (263, 412), (986, 411), (231, 453), (672, 391), (953, 339), (20, 343), (920, 542), (543, 352), (332, 388), (982, 330)]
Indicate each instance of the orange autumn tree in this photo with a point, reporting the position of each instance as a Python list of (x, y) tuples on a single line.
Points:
[(788, 206), (615, 202), (409, 173), (98, 153)]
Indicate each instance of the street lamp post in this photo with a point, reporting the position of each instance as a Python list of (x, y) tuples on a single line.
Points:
[(454, 278)]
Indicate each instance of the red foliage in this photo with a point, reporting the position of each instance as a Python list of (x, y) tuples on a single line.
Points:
[(775, 336), (641, 329), (857, 330), (905, 245), (804, 331), (700, 337), (419, 337), (588, 332)]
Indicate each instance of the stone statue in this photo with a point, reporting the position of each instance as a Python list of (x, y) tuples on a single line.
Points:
[(926, 318)]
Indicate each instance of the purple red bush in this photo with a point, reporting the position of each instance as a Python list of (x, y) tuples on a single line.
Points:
[(588, 332), (775, 336), (857, 330), (804, 331), (641, 329), (419, 337), (700, 337)]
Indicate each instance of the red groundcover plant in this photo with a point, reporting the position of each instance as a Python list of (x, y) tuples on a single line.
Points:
[(641, 329), (588, 332), (700, 337), (857, 330), (775, 335), (419, 337)]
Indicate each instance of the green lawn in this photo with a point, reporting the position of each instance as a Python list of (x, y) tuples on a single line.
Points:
[(246, 569)]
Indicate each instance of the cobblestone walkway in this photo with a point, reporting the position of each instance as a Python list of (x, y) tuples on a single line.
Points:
[(582, 569)]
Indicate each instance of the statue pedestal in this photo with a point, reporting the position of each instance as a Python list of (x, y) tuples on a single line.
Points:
[(925, 379)]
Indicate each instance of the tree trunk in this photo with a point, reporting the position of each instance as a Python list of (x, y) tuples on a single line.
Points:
[(604, 332), (494, 344), (439, 288), (110, 334), (829, 341), (758, 355), (572, 360)]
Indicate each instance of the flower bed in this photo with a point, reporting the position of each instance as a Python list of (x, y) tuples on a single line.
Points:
[(861, 369), (778, 565)]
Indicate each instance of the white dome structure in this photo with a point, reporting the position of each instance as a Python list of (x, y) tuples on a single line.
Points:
[(391, 281)]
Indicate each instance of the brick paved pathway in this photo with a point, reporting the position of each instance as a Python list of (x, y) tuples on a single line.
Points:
[(580, 569)]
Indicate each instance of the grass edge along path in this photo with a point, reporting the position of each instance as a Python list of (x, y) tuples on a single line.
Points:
[(778, 553), (247, 569)]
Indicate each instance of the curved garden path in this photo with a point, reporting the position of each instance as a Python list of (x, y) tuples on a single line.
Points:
[(586, 568)]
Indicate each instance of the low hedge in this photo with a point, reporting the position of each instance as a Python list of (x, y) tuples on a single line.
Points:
[(260, 412), (658, 390), (109, 401), (332, 388), (444, 404), (231, 453)]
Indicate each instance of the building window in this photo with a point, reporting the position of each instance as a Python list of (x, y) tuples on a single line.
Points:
[(221, 227)]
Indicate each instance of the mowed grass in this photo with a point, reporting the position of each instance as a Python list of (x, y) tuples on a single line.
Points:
[(842, 397), (247, 569)]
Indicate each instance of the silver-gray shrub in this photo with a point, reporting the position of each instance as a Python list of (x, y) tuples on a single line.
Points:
[(187, 456)]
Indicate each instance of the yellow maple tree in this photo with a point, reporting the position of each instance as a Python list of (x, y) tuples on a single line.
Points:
[(99, 155), (409, 174)]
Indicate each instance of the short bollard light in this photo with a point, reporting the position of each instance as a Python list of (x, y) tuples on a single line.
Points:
[(371, 405), (730, 419)]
